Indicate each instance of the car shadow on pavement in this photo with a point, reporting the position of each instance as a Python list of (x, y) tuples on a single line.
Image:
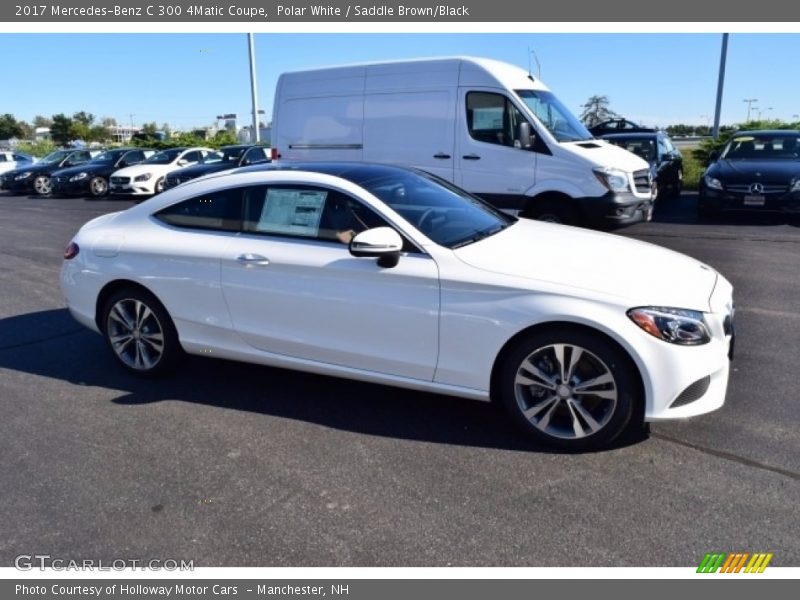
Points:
[(51, 344), (683, 210)]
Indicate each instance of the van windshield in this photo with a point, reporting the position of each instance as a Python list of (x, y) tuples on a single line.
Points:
[(564, 126)]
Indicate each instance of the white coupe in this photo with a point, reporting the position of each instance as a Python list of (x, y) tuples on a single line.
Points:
[(393, 276)]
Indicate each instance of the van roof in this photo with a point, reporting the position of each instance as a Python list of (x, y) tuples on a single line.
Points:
[(471, 71)]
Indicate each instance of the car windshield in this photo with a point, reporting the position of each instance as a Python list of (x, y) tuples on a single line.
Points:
[(54, 157), (446, 214), (165, 157), (564, 126), (763, 147), (232, 154), (109, 156), (642, 147)]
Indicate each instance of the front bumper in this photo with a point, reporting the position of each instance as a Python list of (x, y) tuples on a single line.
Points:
[(132, 188), (616, 209), (726, 200), (18, 186), (70, 188)]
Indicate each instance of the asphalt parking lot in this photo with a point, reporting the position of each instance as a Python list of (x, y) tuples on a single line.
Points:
[(238, 465)]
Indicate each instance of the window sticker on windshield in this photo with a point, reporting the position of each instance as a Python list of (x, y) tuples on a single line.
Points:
[(745, 139), (295, 212)]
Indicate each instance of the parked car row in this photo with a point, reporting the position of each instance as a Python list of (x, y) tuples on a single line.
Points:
[(128, 171)]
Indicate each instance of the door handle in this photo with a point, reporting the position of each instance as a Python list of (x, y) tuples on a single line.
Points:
[(441, 155), (471, 157), (252, 260)]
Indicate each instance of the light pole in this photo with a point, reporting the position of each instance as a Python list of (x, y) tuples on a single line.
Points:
[(256, 137), (749, 104), (723, 56)]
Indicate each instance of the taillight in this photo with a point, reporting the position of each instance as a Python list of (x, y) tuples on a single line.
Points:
[(71, 251), (274, 154)]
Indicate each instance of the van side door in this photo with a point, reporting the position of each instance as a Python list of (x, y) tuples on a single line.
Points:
[(414, 128), (490, 160)]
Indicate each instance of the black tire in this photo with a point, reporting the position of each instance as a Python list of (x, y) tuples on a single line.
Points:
[(568, 413), (140, 333), (554, 211), (159, 186), (42, 185), (98, 187)]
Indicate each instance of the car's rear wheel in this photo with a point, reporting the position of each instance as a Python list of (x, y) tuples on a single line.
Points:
[(42, 185), (140, 332), (568, 388), (98, 187)]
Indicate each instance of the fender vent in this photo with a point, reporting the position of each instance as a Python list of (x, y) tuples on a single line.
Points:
[(692, 393)]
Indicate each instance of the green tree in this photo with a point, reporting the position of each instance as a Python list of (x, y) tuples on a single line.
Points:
[(84, 118), (108, 122), (40, 121), (150, 128), (99, 133), (596, 110), (9, 127), (61, 129)]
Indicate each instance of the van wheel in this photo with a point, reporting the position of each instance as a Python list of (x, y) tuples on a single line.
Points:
[(568, 388), (560, 212)]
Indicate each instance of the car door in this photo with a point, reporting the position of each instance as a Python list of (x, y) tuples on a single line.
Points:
[(293, 288), (488, 162)]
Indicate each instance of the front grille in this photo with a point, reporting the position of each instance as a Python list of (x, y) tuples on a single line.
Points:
[(769, 188), (641, 179), (692, 393), (120, 180)]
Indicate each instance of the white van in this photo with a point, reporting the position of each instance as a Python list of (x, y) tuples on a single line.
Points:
[(487, 126)]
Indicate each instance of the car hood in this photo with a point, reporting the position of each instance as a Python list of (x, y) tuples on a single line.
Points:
[(750, 171), (639, 273), (204, 169), (34, 168), (84, 168), (142, 168), (606, 154)]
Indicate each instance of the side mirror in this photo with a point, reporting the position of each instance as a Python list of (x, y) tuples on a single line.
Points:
[(713, 155), (525, 138), (183, 162), (383, 243)]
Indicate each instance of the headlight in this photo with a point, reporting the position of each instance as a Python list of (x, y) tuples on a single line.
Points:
[(24, 175), (79, 176), (795, 186), (614, 179), (673, 325), (144, 177), (712, 183)]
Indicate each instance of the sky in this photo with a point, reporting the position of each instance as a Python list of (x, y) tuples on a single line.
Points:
[(186, 79)]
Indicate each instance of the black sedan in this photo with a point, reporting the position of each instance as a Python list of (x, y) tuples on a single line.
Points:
[(232, 157), (36, 177), (756, 170), (666, 161), (91, 178)]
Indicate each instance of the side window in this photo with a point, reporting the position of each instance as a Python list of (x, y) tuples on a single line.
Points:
[(492, 118), (307, 212), (2, 157), (255, 155), (218, 211), (134, 157)]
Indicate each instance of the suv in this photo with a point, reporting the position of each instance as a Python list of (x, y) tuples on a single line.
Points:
[(617, 126), (666, 161)]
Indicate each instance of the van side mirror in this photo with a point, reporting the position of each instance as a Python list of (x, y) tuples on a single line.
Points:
[(525, 138)]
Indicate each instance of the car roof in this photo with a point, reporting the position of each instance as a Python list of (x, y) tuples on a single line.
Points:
[(633, 135), (355, 172), (773, 132)]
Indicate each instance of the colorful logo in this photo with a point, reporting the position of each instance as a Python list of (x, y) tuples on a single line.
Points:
[(734, 562)]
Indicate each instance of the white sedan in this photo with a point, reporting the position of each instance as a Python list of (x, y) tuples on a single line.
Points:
[(393, 276), (10, 161), (147, 177)]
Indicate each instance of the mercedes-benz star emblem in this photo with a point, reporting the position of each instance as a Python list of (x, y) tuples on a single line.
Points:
[(757, 188)]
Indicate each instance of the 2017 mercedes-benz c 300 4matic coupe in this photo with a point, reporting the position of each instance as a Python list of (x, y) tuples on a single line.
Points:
[(390, 275)]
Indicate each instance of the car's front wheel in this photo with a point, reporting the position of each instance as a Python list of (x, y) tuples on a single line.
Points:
[(159, 186), (140, 332), (570, 388), (42, 185), (98, 187)]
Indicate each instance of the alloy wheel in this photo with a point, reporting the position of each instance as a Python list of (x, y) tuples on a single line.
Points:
[(135, 334), (42, 185)]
